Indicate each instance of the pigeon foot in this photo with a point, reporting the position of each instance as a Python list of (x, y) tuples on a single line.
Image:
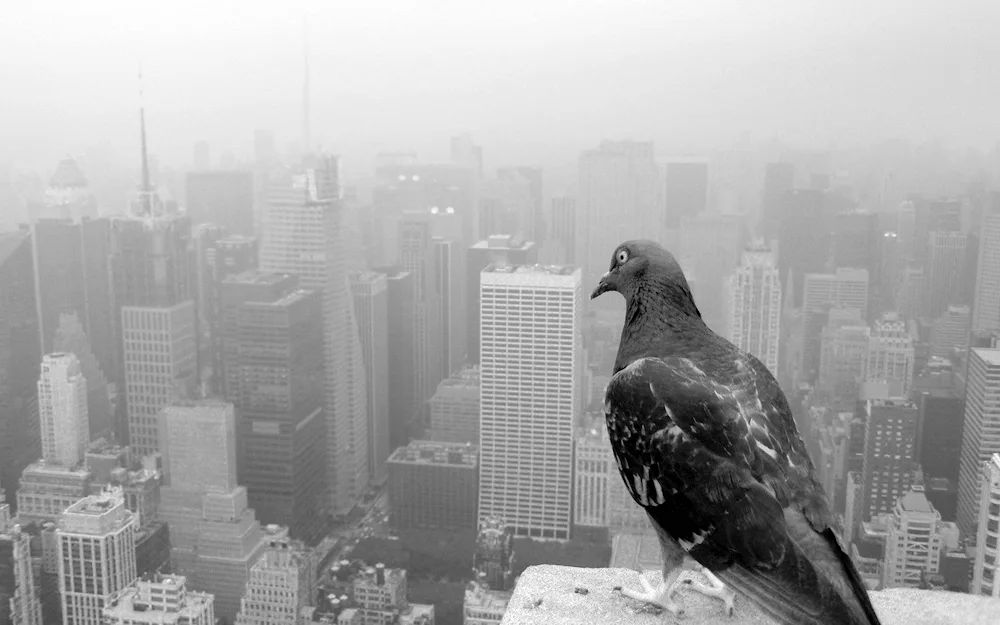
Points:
[(715, 589), (660, 595)]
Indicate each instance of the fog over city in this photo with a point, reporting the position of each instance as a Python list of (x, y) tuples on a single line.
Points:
[(469, 312)]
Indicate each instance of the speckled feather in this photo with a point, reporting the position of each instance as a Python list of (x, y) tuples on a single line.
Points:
[(705, 442)]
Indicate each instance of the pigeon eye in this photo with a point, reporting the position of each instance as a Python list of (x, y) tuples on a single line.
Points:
[(622, 256)]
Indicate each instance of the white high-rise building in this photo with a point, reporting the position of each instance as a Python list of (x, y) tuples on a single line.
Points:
[(19, 601), (62, 410), (96, 539), (279, 586), (890, 355), (980, 432), (913, 542), (846, 288), (986, 311), (306, 233), (754, 305), (986, 573), (530, 382), (595, 469)]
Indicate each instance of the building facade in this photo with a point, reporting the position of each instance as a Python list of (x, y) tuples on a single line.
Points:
[(913, 544), (62, 409), (158, 600), (434, 485), (455, 408), (370, 292), (755, 306), (889, 453), (530, 392), (980, 433)]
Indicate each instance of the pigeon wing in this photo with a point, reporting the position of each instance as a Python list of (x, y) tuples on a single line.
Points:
[(720, 468)]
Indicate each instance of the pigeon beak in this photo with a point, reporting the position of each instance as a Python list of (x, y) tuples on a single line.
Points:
[(606, 284)]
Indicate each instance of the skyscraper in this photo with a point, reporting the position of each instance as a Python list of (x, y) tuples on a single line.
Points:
[(62, 408), (944, 272), (416, 255), (19, 603), (686, 190), (980, 433), (619, 185), (804, 239), (495, 250), (847, 288), (755, 306), (986, 311), (529, 395), (985, 577), (593, 477), (889, 453), (434, 485), (223, 198), (305, 234), (71, 338), (913, 543), (214, 536), (950, 331), (562, 229), (280, 585), (278, 373), (844, 344), (455, 408), (449, 274), (19, 359), (890, 355), (371, 309), (96, 538), (711, 245), (856, 240)]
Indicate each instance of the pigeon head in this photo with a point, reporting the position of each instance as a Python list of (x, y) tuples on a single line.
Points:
[(643, 268)]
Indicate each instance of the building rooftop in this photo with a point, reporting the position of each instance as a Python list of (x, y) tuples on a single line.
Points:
[(560, 595), (892, 403), (235, 240), (46, 469), (485, 599), (503, 242), (434, 452), (159, 599), (552, 270), (990, 355), (916, 501), (256, 276), (288, 299), (468, 377)]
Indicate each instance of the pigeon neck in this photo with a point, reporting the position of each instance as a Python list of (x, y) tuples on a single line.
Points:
[(658, 317)]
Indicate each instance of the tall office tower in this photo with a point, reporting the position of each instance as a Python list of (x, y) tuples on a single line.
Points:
[(906, 228), (416, 255), (754, 309), (593, 476), (455, 408), (497, 249), (945, 270), (890, 355), (803, 239), (277, 373), (711, 246), (72, 339), (985, 574), (434, 485), (619, 186), (305, 234), (449, 275), (779, 179), (910, 299), (856, 239), (403, 406), (465, 152), (847, 288), (889, 453), (448, 191), (214, 536), (218, 257), (561, 229), (686, 193), (913, 543), (19, 359), (62, 409), (223, 198), (529, 396), (844, 344), (370, 292), (980, 432), (950, 332), (986, 310), (942, 412), (71, 275), (279, 587), (96, 539), (159, 600), (933, 216), (890, 270), (19, 603)]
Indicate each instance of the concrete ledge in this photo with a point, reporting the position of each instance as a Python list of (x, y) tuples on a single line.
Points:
[(549, 595)]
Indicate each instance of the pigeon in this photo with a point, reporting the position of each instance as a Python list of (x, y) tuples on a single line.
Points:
[(705, 442)]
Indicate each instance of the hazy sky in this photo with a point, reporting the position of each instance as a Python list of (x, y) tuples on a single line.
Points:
[(530, 79)]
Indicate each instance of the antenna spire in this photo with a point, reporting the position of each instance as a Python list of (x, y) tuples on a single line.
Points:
[(305, 84), (147, 189)]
